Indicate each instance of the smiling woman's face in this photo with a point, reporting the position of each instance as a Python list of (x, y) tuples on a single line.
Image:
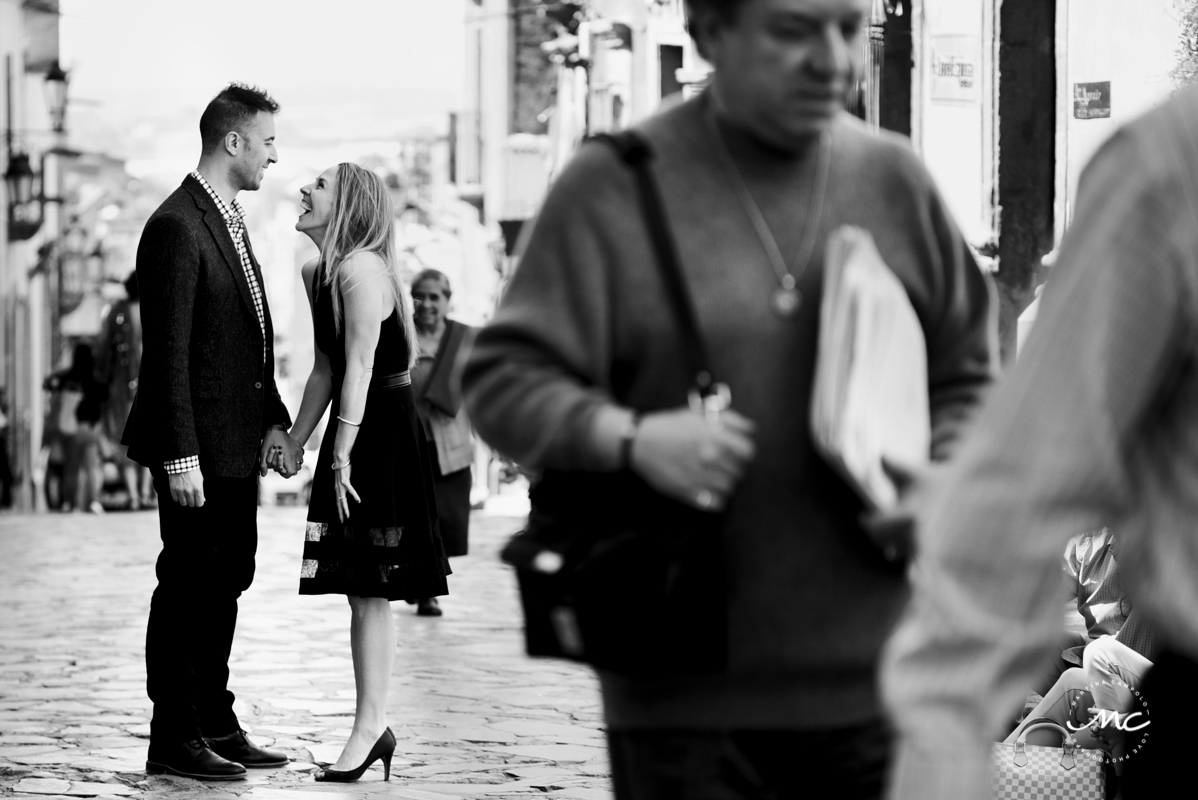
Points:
[(431, 304), (316, 203)]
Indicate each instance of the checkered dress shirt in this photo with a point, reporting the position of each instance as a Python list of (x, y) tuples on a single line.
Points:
[(1096, 423), (234, 216)]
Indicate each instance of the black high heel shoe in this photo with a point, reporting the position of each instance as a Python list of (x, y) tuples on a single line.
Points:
[(384, 748)]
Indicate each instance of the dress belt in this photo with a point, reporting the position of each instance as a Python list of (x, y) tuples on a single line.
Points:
[(394, 381)]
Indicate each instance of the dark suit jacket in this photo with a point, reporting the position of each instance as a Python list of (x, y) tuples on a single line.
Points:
[(203, 388)]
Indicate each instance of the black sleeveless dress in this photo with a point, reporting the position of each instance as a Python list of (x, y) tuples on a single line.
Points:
[(390, 546)]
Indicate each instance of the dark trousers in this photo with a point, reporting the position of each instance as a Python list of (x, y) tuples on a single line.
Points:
[(845, 763), (1167, 753), (207, 561)]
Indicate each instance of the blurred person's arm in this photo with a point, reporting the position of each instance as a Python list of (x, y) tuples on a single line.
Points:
[(538, 380), (531, 381), (960, 330), (1047, 457)]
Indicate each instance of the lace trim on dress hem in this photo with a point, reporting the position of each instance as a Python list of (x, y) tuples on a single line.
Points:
[(387, 536)]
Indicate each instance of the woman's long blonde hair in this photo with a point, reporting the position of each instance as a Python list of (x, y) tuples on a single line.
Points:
[(364, 221)]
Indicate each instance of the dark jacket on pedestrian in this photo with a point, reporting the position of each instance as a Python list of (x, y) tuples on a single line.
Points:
[(203, 387)]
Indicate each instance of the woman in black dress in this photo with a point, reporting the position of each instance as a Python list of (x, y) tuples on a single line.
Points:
[(372, 530)]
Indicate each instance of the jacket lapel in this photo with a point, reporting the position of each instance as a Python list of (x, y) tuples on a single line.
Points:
[(224, 242)]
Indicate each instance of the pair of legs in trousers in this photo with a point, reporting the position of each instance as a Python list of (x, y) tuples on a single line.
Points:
[(207, 561), (1110, 675), (845, 763)]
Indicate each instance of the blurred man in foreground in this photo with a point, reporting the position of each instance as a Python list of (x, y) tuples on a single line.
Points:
[(581, 369)]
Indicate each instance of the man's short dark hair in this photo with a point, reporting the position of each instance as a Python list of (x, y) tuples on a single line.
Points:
[(726, 9), (234, 109)]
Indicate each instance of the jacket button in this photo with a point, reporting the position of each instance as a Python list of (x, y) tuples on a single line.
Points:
[(257, 384)]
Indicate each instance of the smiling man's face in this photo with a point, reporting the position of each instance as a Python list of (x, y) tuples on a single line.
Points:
[(784, 67), (258, 151)]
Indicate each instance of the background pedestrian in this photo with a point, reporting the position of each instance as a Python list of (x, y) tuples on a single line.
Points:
[(119, 363), (437, 384), (81, 398)]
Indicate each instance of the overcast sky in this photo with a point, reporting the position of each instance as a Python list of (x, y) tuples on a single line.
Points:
[(347, 72)]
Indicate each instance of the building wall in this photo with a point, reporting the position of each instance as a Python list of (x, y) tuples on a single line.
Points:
[(28, 42), (486, 96), (534, 85), (1127, 44), (954, 128)]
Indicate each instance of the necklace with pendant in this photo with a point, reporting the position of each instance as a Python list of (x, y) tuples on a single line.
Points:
[(786, 299)]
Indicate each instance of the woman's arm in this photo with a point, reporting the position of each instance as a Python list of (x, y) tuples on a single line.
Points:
[(366, 300), (319, 388)]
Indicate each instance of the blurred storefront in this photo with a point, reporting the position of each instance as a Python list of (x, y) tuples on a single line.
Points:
[(1005, 100), (68, 238), (1011, 98), (34, 152)]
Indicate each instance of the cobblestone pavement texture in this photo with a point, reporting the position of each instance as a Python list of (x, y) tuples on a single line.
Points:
[(474, 716)]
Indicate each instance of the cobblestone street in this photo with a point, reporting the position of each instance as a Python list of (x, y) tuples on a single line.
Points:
[(474, 717)]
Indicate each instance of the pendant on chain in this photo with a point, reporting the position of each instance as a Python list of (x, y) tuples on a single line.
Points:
[(785, 300)]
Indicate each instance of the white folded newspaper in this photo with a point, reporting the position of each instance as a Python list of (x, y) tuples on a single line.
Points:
[(870, 398)]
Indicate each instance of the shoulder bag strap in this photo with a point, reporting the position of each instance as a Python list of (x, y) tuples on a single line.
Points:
[(635, 152)]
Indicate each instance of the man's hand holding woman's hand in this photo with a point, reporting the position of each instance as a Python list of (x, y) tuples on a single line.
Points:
[(281, 453), (691, 457)]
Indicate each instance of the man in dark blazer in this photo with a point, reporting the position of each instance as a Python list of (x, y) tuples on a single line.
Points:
[(205, 420)]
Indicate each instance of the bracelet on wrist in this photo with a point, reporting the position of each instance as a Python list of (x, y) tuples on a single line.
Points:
[(627, 437), (340, 466), (347, 422)]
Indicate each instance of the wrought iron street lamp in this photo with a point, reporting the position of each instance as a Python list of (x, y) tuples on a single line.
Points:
[(57, 82), (26, 206), (18, 179)]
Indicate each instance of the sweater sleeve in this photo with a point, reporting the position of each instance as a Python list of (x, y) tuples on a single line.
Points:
[(538, 372), (961, 333)]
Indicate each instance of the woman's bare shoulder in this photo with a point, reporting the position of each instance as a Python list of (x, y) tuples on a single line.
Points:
[(363, 269)]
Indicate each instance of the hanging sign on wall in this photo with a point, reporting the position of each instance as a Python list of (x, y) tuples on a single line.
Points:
[(956, 69), (1092, 100)]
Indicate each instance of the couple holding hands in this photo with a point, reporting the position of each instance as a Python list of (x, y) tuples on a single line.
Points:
[(208, 420)]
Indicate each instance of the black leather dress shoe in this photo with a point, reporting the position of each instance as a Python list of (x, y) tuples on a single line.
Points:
[(193, 759), (238, 747)]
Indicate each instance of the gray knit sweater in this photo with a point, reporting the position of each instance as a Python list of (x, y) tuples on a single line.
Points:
[(585, 322)]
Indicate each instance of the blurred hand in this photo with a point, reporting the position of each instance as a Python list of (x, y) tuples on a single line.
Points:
[(686, 456), (187, 488), (893, 531), (281, 453), (344, 490)]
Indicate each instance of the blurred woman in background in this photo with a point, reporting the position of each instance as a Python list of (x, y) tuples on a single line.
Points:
[(437, 384)]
